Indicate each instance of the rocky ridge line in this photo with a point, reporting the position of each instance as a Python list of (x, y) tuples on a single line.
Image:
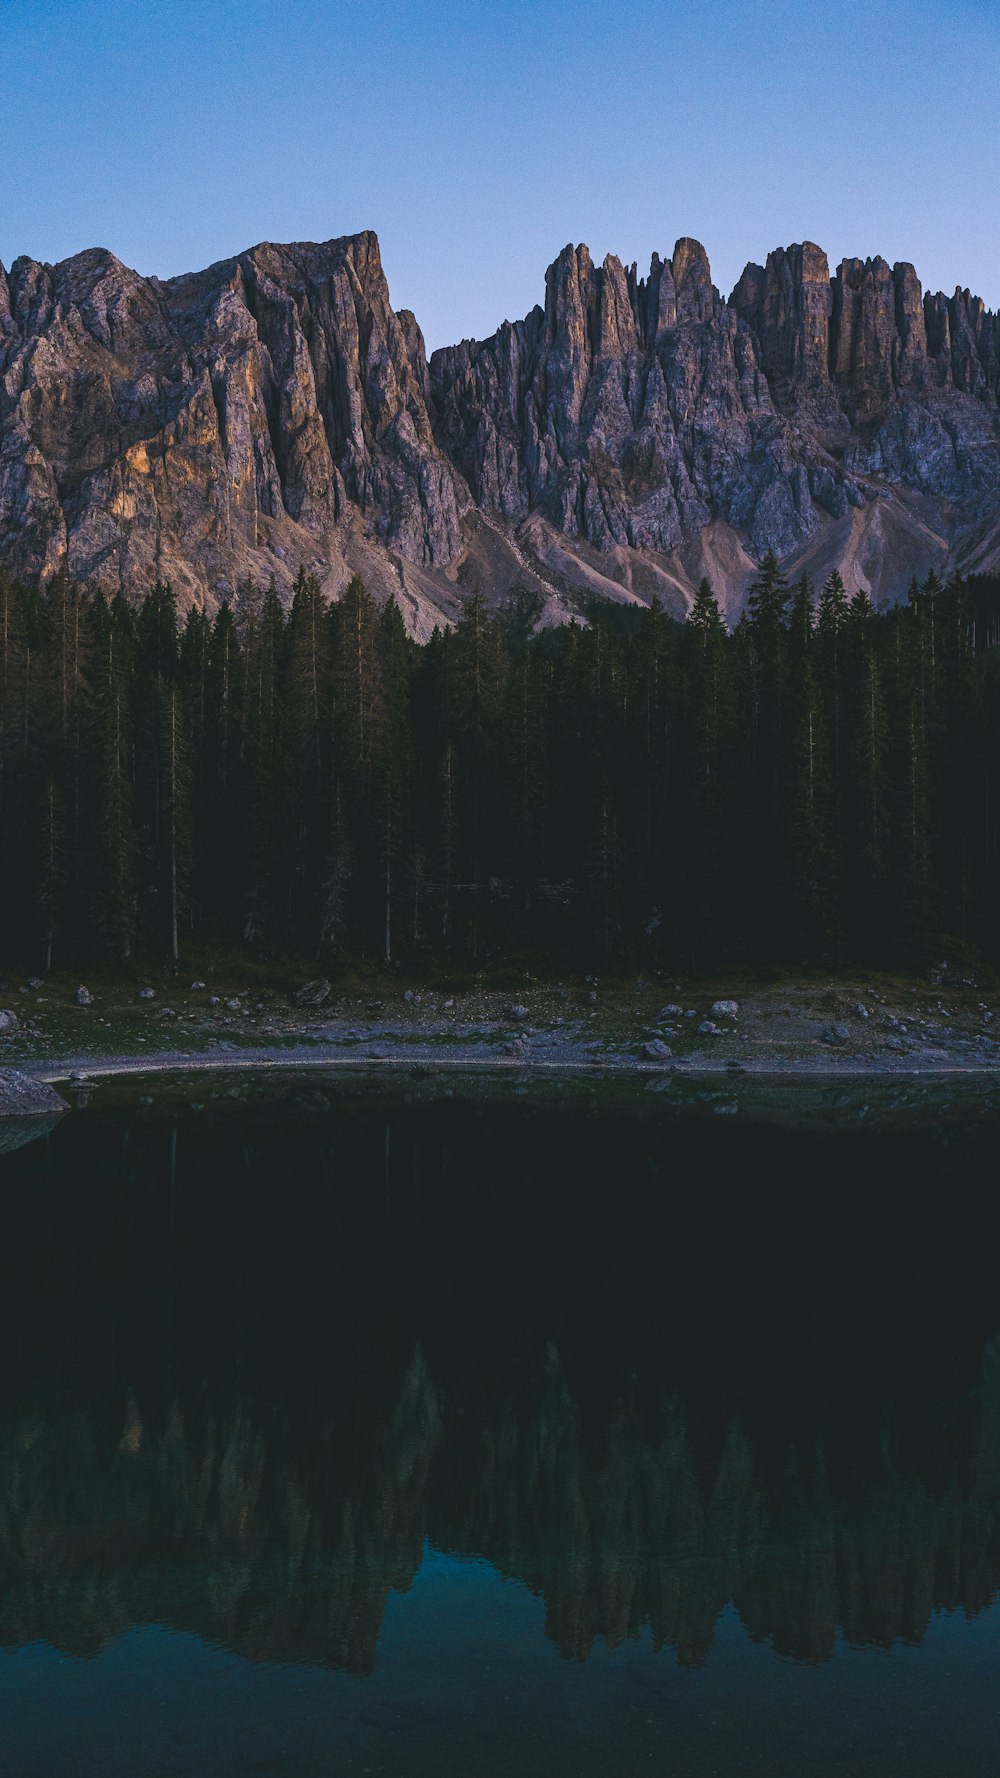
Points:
[(624, 438)]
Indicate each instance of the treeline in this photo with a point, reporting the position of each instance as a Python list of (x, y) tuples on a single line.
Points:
[(823, 783)]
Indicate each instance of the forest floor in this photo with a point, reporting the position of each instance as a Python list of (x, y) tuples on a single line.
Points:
[(866, 1025)]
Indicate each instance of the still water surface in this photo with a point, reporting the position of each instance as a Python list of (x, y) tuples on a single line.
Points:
[(514, 1437)]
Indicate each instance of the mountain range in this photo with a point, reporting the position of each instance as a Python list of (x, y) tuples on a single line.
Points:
[(625, 438)]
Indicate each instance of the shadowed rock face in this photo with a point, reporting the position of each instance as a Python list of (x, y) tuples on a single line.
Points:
[(635, 412), (274, 411)]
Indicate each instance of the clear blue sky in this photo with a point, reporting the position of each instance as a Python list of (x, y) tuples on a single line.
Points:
[(477, 139)]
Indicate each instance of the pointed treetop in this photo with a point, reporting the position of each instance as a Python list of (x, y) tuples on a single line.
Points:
[(768, 595), (833, 604), (704, 614)]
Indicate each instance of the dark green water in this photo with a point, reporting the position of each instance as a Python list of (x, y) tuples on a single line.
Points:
[(571, 1436)]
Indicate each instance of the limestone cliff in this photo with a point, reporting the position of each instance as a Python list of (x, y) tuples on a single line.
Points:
[(845, 419), (624, 438), (267, 412)]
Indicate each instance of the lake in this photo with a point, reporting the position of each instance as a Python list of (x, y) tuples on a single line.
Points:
[(587, 1431)]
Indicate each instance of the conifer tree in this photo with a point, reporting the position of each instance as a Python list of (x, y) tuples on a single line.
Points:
[(361, 750), (394, 652), (307, 703), (808, 852), (647, 765), (865, 813), (522, 812), (706, 739), (764, 656), (473, 675), (62, 795), (162, 783), (265, 769), (49, 867), (224, 824), (961, 787), (193, 679), (108, 744)]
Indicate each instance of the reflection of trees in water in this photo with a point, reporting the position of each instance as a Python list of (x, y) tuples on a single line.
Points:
[(283, 1539), (277, 1542)]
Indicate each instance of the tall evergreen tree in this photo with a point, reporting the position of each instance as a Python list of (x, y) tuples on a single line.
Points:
[(865, 810), (809, 849), (266, 770), (108, 743), (706, 741)]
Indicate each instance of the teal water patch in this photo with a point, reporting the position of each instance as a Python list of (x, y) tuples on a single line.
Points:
[(465, 1682)]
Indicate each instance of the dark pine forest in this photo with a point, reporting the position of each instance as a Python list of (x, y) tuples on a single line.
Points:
[(821, 784)]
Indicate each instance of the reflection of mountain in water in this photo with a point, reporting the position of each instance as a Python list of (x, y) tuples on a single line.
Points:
[(242, 1410), (284, 1542)]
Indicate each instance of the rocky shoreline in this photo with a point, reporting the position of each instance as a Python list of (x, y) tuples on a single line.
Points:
[(877, 1028)]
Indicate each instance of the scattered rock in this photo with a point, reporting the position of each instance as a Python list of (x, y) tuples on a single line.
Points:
[(708, 1029), (233, 1006), (213, 1000), (834, 1034), (197, 987), (35, 983), (9, 1022), (725, 1009), (312, 993), (166, 1012), (20, 1096), (517, 1012), (673, 1011), (84, 997), (147, 994), (408, 996), (657, 1051), (860, 1010)]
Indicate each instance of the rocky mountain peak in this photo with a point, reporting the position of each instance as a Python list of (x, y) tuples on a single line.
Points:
[(788, 304), (692, 281), (626, 436)]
